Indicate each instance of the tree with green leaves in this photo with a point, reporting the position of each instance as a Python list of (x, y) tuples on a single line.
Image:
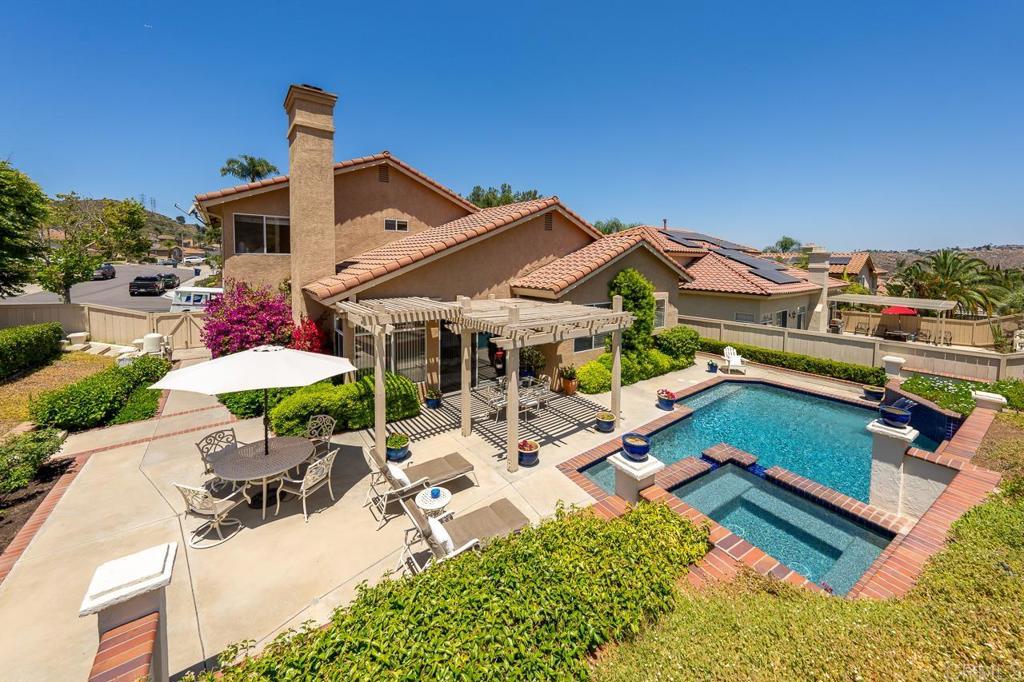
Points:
[(784, 245), (123, 229), (953, 276), (500, 196), (613, 225), (22, 213), (250, 168), (638, 298)]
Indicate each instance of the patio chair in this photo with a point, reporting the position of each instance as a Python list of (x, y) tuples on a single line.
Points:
[(448, 536), (923, 336), (733, 360), (394, 482), (211, 445), (880, 330), (861, 328), (947, 338), (318, 474), (319, 431), (202, 502)]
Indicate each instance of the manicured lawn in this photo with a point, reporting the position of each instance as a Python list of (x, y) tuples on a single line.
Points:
[(66, 369), (961, 621)]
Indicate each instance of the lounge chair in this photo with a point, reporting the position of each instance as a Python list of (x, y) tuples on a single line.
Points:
[(448, 536), (202, 502), (390, 482), (318, 474), (733, 360)]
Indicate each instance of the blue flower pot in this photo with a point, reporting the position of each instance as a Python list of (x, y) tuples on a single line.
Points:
[(529, 459), (894, 416), (712, 366), (875, 393), (637, 449), (433, 403), (605, 426), (397, 454), (666, 404)]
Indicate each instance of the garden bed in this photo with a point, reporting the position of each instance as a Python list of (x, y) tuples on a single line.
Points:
[(66, 369), (19, 506)]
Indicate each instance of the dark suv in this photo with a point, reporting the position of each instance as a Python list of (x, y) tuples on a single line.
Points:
[(171, 280), (142, 285)]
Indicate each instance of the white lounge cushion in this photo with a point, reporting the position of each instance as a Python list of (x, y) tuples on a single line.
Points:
[(398, 475), (440, 535)]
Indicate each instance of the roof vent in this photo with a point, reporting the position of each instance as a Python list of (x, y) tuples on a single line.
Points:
[(549, 221), (383, 173)]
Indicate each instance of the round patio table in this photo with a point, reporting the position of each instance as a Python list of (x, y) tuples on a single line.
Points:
[(249, 464)]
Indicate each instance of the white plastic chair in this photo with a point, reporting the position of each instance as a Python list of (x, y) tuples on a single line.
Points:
[(733, 360), (318, 474)]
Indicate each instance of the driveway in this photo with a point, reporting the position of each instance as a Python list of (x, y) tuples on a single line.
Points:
[(112, 292)]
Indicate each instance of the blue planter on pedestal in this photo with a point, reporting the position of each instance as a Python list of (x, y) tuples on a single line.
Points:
[(635, 446), (894, 416)]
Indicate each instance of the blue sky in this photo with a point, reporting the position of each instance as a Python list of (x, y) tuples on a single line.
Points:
[(848, 124)]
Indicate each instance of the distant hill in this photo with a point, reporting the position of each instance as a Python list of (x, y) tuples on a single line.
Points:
[(1003, 255), (156, 223)]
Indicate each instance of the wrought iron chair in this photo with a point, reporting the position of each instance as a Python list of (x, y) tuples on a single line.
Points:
[(318, 474), (213, 444), (319, 431), (202, 502)]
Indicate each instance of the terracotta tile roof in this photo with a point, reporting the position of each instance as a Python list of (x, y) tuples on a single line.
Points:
[(408, 250), (563, 272), (348, 164), (715, 272), (856, 264)]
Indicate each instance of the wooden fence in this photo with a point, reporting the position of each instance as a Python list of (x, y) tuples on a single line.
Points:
[(107, 324), (978, 363), (976, 333)]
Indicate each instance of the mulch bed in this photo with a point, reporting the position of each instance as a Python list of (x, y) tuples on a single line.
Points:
[(16, 509)]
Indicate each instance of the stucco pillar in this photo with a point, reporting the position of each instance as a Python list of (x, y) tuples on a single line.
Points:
[(888, 446), (379, 393), (512, 399), (990, 401), (310, 190), (132, 587), (632, 477), (617, 365), (466, 397), (893, 365), (817, 266)]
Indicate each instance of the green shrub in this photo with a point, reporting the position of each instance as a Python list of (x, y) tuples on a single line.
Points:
[(95, 400), (638, 298), (142, 404), (950, 394), (246, 404), (28, 347), (21, 456), (594, 378), (532, 606), (861, 374), (1012, 390), (351, 404), (679, 342)]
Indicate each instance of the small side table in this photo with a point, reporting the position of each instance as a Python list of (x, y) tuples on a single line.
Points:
[(433, 506)]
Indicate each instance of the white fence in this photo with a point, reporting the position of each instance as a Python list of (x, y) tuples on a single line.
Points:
[(106, 324), (975, 363)]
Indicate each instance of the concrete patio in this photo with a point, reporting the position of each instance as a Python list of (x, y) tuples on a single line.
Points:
[(273, 574)]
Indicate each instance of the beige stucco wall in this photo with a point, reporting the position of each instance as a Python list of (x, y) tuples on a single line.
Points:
[(724, 307)]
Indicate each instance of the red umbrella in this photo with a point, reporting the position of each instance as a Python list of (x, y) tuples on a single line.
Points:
[(898, 310)]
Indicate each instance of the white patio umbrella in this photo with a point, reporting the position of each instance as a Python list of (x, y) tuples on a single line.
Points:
[(262, 367)]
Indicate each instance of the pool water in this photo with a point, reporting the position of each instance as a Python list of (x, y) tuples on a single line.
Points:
[(821, 439), (814, 541)]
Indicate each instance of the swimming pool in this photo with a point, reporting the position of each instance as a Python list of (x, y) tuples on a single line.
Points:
[(816, 542), (821, 439)]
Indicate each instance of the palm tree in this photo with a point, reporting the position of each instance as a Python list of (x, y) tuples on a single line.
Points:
[(784, 245), (251, 168), (952, 276)]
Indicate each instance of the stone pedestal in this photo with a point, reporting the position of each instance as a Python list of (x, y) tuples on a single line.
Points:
[(129, 588), (889, 444), (893, 365), (632, 477), (991, 401)]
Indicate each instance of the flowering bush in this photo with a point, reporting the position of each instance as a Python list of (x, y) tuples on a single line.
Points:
[(527, 445), (308, 336), (245, 317)]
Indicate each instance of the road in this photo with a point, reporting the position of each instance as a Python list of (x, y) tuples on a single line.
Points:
[(112, 292)]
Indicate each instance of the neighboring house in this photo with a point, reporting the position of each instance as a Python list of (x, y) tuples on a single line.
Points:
[(178, 253), (855, 267), (375, 227)]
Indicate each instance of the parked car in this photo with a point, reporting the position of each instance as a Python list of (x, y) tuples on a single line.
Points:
[(193, 298), (169, 261), (171, 280), (193, 260), (105, 271), (151, 285)]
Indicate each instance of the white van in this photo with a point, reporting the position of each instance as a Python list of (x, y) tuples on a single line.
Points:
[(193, 298)]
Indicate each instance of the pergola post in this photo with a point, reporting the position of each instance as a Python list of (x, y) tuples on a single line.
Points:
[(379, 394), (617, 364), (512, 398), (466, 337)]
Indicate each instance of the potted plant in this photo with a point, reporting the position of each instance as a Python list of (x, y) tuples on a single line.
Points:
[(636, 446), (875, 393), (666, 399), (529, 452), (569, 380), (397, 447), (605, 422), (894, 416), (433, 397), (712, 366), (530, 360)]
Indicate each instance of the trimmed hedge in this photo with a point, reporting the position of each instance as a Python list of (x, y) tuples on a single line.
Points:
[(141, 404), (28, 347), (95, 400), (351, 404), (246, 404), (675, 350), (861, 374), (21, 456), (532, 606), (680, 342), (594, 378)]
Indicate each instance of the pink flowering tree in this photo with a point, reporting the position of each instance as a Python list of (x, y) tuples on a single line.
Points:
[(308, 336), (245, 317)]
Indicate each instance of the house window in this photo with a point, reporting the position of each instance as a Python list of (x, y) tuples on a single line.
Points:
[(392, 225), (744, 317), (659, 311), (801, 314), (262, 234), (766, 318), (591, 342), (780, 318), (405, 351)]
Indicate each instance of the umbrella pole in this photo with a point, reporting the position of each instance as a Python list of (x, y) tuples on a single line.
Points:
[(266, 425)]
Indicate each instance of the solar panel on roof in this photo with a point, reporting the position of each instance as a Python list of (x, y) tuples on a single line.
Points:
[(717, 241), (752, 261), (776, 276), (839, 260), (683, 241)]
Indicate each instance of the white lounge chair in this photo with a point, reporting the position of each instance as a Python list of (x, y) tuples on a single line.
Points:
[(733, 360), (389, 482)]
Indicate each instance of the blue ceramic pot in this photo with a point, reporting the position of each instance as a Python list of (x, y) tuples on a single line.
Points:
[(433, 403), (605, 426), (398, 454), (637, 449), (873, 392), (529, 459), (666, 404), (894, 416)]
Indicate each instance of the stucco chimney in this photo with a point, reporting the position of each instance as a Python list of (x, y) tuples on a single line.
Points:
[(817, 265), (311, 190), (664, 223)]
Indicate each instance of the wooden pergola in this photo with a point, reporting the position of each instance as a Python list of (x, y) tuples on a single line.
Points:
[(515, 323), (941, 306)]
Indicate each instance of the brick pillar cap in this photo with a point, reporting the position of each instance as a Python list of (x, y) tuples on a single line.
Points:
[(121, 579)]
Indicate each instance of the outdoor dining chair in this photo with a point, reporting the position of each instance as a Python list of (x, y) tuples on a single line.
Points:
[(923, 336), (211, 445), (203, 503), (448, 536), (319, 431), (392, 482), (318, 474), (861, 328), (947, 338)]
